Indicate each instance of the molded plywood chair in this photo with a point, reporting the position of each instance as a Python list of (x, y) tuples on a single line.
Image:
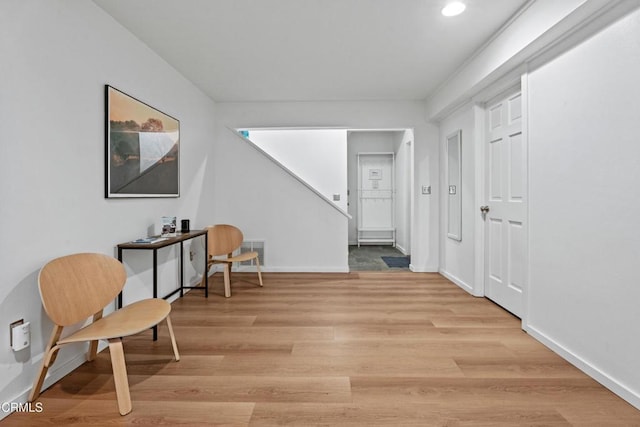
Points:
[(223, 240), (78, 286)]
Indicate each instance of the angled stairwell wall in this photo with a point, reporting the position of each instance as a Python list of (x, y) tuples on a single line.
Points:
[(315, 157)]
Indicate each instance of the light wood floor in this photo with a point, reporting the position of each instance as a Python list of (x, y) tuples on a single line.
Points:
[(366, 349)]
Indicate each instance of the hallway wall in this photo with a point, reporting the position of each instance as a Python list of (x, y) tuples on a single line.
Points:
[(404, 189), (57, 57), (584, 162), (280, 220), (581, 99), (457, 257), (317, 156)]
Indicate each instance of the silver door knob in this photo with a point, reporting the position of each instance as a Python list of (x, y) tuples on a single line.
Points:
[(484, 209)]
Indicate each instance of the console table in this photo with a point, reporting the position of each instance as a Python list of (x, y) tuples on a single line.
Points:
[(180, 238)]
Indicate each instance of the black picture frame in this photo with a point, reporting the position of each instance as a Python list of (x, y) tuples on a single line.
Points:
[(142, 148)]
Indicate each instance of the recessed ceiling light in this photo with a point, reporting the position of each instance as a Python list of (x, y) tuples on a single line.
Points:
[(454, 8)]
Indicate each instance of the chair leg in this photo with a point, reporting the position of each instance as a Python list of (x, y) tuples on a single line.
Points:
[(258, 268), (229, 255), (93, 351), (120, 375), (227, 279), (173, 339), (93, 345), (47, 360)]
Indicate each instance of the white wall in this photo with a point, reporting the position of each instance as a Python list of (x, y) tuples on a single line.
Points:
[(317, 156), (58, 55), (457, 257), (584, 207), (269, 204), (404, 190), (581, 103), (535, 31)]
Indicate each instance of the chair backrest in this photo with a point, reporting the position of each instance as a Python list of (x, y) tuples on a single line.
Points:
[(74, 287), (223, 239)]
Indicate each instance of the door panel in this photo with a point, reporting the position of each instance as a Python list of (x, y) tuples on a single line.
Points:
[(516, 155), (505, 181), (495, 250), (495, 176), (516, 255), (515, 107)]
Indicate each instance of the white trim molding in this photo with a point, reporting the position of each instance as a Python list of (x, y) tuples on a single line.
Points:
[(602, 377)]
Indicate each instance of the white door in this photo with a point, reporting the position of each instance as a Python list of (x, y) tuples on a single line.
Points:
[(376, 209), (505, 185)]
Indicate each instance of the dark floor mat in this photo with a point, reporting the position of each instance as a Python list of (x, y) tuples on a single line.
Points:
[(396, 261)]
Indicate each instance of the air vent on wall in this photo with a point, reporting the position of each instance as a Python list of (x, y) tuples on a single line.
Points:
[(250, 246)]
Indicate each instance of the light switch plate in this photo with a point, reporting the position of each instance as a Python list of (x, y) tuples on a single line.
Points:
[(21, 336)]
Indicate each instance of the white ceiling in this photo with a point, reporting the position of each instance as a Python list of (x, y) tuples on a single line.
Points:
[(299, 50)]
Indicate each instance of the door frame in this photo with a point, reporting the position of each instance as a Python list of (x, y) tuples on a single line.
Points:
[(408, 171), (481, 102)]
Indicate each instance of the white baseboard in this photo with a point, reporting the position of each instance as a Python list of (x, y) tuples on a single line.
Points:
[(603, 378), (264, 269), (59, 370), (457, 281), (427, 269), (56, 373), (402, 249), (305, 269)]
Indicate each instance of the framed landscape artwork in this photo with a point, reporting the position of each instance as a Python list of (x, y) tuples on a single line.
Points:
[(142, 149)]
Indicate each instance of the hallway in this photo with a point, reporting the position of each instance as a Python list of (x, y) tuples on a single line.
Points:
[(370, 258)]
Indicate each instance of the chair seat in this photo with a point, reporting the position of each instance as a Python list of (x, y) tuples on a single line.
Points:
[(245, 256), (223, 240), (130, 320)]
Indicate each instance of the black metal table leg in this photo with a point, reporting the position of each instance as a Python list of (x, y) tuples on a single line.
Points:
[(155, 287), (119, 305), (206, 262), (181, 269)]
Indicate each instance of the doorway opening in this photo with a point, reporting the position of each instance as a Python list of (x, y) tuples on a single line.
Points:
[(377, 258), (380, 184), (326, 161)]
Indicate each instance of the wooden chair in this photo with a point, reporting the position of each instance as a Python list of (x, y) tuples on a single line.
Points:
[(78, 286), (224, 239)]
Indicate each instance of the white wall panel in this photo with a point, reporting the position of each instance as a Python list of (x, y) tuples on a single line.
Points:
[(317, 156), (458, 256), (584, 205), (62, 53)]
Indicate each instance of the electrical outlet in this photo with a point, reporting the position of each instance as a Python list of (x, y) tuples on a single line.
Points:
[(11, 326), (21, 336), (426, 189)]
